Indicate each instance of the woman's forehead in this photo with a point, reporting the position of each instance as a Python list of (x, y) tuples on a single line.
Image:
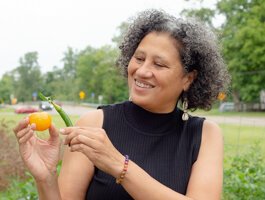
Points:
[(160, 43)]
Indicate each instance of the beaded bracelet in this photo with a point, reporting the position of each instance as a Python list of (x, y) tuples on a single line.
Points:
[(125, 167)]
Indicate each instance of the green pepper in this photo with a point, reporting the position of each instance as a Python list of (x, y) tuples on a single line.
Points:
[(59, 109)]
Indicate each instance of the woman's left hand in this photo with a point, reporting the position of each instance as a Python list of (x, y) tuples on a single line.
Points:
[(95, 144)]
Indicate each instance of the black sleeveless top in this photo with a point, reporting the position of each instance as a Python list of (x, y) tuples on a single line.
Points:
[(162, 144)]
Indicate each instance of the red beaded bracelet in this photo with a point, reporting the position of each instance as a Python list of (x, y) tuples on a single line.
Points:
[(125, 167)]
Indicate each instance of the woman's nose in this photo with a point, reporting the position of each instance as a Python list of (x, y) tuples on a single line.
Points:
[(144, 70)]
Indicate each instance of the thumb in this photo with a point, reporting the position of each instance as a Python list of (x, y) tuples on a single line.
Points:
[(54, 134)]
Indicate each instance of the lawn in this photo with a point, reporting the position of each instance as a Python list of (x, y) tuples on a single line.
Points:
[(239, 139)]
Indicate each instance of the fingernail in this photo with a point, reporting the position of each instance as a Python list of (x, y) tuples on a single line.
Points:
[(33, 126), (62, 130)]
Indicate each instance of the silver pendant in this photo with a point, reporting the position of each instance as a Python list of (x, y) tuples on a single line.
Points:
[(185, 116)]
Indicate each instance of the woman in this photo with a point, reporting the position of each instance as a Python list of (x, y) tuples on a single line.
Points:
[(152, 148)]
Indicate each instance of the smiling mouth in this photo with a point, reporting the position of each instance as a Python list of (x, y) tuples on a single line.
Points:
[(143, 85)]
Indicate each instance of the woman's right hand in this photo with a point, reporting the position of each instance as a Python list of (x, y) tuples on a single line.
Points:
[(40, 156)]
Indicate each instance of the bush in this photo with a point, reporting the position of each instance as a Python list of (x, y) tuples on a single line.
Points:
[(21, 189), (245, 178)]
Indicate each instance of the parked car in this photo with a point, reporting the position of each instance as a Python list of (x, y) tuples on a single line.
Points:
[(227, 106), (26, 109), (45, 105)]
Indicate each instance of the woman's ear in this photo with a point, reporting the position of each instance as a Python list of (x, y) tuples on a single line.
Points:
[(190, 77)]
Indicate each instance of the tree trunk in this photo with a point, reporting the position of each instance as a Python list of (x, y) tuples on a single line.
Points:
[(236, 100)]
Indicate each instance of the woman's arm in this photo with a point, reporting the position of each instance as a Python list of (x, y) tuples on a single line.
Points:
[(49, 189), (40, 157), (207, 172), (206, 178), (77, 170)]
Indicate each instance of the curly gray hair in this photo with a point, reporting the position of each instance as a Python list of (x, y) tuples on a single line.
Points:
[(199, 51)]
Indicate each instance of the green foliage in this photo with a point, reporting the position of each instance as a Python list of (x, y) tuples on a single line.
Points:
[(245, 178), (91, 70), (243, 44), (6, 87), (27, 77), (70, 60), (63, 82), (21, 190), (97, 75), (203, 14)]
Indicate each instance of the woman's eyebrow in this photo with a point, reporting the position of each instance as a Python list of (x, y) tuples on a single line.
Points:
[(139, 52)]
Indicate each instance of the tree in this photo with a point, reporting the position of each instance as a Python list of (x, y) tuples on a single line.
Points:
[(53, 82), (27, 77), (243, 43), (205, 15), (122, 28), (66, 77), (61, 83), (244, 46), (6, 87), (97, 74), (70, 60)]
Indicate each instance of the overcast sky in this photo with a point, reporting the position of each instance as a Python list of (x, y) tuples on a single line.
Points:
[(50, 26)]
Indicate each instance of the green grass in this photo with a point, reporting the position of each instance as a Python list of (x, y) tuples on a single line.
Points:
[(238, 139), (6, 109), (242, 135)]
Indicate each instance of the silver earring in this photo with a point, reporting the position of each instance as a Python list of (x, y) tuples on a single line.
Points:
[(185, 115)]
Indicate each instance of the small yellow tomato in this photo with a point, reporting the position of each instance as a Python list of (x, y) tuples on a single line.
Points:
[(41, 119)]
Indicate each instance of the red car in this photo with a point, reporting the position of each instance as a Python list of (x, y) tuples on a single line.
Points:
[(26, 109)]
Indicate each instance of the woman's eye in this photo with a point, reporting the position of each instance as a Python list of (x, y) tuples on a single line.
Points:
[(160, 65), (139, 59)]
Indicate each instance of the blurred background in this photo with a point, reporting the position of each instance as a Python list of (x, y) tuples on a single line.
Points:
[(68, 49)]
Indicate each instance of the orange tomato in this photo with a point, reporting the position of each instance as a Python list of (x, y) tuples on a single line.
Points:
[(41, 119)]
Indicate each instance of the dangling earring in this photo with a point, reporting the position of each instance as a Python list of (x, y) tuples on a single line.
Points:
[(185, 115)]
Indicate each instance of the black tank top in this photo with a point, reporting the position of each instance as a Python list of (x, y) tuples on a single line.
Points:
[(162, 144)]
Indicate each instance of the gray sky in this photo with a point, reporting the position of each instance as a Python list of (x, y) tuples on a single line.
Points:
[(50, 26)]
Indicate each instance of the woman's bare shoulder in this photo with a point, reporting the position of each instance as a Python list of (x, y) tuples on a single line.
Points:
[(92, 118), (211, 131)]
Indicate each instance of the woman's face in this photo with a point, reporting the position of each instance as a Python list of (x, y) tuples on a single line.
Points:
[(156, 76)]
